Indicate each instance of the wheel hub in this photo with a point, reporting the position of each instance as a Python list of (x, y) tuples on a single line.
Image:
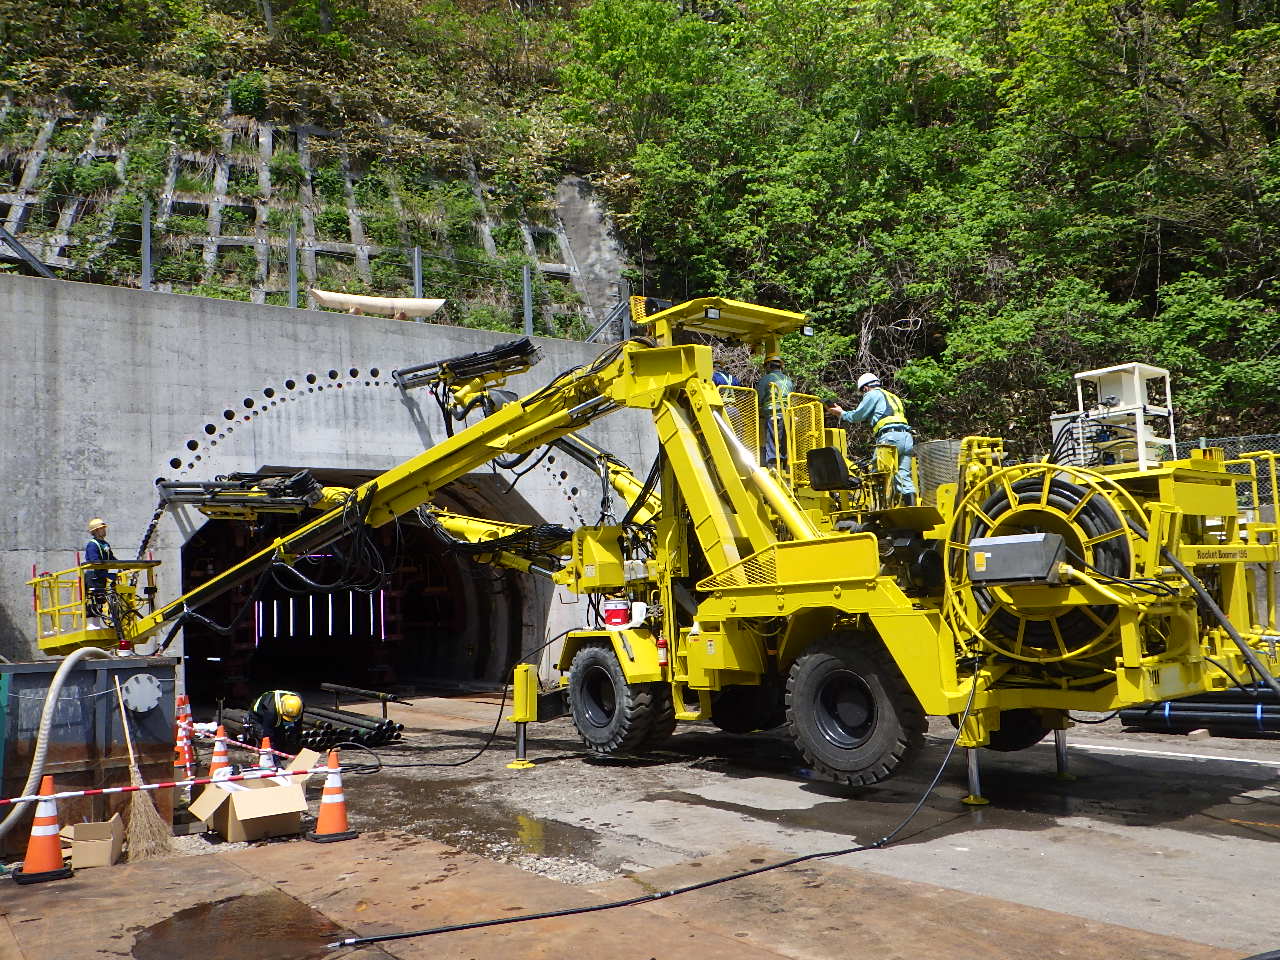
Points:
[(599, 701), (845, 709)]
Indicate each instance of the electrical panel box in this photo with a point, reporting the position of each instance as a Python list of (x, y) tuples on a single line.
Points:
[(1024, 558)]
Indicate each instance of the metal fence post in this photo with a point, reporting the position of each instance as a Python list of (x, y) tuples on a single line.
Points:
[(417, 273), (527, 284), (293, 264), (146, 243)]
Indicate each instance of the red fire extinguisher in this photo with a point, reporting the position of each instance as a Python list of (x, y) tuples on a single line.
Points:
[(662, 651)]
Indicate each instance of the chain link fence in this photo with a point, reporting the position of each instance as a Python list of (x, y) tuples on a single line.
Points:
[(1235, 449)]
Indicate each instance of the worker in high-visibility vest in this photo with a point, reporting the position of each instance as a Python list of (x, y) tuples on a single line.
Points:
[(97, 550), (772, 389), (278, 714), (887, 415)]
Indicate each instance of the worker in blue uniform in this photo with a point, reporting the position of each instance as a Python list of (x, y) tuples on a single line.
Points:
[(773, 388), (97, 550), (886, 413), (722, 377)]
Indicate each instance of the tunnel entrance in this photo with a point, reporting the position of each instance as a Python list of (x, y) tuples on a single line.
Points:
[(406, 613)]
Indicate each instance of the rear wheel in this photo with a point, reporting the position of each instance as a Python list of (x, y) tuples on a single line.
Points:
[(850, 711), (611, 715)]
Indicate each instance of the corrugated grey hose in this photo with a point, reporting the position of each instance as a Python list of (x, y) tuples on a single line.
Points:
[(42, 734)]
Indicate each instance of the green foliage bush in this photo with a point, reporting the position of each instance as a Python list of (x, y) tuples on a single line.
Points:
[(287, 171), (184, 266), (242, 181), (95, 177), (237, 221), (382, 226), (332, 223), (328, 183), (247, 93)]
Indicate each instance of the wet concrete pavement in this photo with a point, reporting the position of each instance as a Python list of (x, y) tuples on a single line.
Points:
[(285, 900), (1145, 837), (1148, 855)]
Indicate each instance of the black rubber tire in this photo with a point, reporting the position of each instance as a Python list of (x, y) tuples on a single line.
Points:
[(664, 716), (1019, 729), (850, 711), (744, 709), (612, 716)]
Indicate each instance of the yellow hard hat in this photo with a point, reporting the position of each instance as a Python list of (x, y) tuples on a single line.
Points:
[(773, 356), (95, 523), (291, 706)]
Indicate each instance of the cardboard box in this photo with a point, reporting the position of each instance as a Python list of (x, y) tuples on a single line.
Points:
[(256, 809), (95, 844)]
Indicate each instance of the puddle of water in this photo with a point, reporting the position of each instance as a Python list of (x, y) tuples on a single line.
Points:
[(449, 812), (270, 924)]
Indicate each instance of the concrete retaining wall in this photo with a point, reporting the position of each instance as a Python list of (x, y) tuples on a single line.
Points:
[(103, 390)]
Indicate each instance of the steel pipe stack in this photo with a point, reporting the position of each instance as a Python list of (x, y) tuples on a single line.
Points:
[(321, 732), (354, 727), (1253, 710)]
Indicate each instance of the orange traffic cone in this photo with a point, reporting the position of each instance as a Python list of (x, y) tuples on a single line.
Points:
[(331, 825), (220, 759), (44, 849), (183, 757), (266, 758)]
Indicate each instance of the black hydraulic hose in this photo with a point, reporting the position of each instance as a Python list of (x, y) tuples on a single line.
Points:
[(1212, 605), (650, 482)]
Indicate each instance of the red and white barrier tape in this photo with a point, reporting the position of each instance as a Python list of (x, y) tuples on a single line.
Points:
[(103, 791), (237, 743)]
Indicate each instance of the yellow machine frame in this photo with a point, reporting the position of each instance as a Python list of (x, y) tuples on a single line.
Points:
[(751, 581)]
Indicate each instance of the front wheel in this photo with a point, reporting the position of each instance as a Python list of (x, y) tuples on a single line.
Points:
[(611, 715), (850, 712)]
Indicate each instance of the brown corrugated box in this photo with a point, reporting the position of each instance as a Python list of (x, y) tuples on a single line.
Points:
[(94, 844), (256, 809)]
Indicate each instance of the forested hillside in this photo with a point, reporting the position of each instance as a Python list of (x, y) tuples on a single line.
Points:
[(976, 198)]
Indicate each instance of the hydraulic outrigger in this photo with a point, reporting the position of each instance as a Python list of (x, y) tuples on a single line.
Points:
[(808, 594)]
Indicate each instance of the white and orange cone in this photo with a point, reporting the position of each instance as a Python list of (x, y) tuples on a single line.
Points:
[(331, 824), (183, 759), (266, 756), (44, 849), (220, 759)]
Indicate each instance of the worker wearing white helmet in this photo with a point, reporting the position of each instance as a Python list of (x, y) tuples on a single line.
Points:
[(887, 415), (97, 550)]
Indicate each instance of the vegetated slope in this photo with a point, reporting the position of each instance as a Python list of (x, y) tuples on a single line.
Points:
[(983, 196), (979, 198)]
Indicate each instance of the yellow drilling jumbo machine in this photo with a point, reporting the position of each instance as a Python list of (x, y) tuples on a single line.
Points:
[(1106, 575)]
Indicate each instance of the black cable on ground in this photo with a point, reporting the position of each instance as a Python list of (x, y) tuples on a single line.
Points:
[(361, 769), (688, 888)]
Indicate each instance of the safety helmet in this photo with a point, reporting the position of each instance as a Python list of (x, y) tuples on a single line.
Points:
[(773, 358), (95, 523), (291, 706), (868, 380)]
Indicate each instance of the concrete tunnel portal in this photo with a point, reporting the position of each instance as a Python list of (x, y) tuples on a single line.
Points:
[(429, 618)]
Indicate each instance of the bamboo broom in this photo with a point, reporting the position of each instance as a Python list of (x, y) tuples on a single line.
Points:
[(148, 835)]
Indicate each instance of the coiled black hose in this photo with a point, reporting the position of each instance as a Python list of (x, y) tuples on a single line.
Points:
[(1111, 558)]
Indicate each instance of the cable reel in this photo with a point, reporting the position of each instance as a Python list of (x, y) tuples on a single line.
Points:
[(1088, 512)]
